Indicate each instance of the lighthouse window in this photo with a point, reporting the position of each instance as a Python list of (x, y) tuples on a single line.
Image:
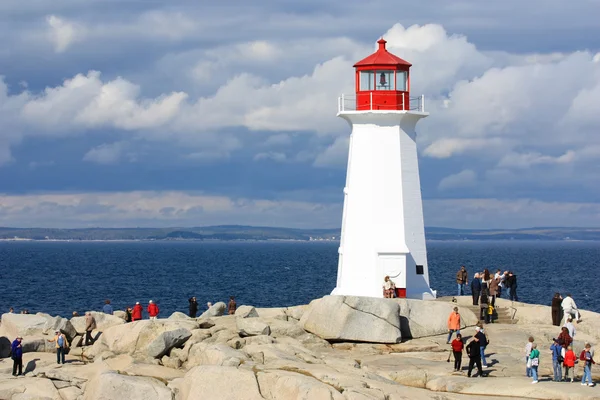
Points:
[(385, 80), (366, 80), (401, 80)]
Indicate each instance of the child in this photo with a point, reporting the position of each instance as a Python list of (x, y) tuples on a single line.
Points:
[(490, 314), (587, 356), (528, 348), (534, 357), (570, 360), (457, 349)]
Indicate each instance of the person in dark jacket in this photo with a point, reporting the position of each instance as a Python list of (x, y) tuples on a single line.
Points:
[(17, 356), (193, 306), (483, 306), (512, 285), (476, 289), (556, 309), (462, 278), (474, 357)]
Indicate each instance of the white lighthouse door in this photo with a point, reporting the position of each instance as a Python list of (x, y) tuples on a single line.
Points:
[(394, 266)]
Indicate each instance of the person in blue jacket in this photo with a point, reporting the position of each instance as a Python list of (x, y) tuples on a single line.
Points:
[(17, 356), (557, 360)]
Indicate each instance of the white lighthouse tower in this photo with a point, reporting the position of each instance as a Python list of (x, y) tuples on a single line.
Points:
[(382, 224)]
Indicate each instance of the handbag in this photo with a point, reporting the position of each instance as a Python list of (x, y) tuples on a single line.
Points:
[(528, 362), (535, 362)]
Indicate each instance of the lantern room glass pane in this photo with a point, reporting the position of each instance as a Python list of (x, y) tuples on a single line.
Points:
[(385, 80), (401, 80), (367, 80)]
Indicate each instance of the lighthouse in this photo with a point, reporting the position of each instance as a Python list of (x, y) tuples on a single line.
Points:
[(383, 232)]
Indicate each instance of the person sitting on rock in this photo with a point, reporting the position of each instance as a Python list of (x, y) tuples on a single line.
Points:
[(61, 346), (453, 324), (389, 288), (208, 305), (153, 310), (136, 314), (570, 308), (231, 307), (474, 357)]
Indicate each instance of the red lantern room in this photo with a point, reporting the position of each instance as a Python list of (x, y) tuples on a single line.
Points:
[(382, 81)]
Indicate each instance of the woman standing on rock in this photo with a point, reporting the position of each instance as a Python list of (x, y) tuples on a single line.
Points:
[(528, 349), (564, 338), (457, 349), (476, 288), (569, 363), (483, 305), (534, 358), (556, 309), (136, 315)]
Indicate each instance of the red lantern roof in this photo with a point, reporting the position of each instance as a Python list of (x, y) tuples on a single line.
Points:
[(382, 57)]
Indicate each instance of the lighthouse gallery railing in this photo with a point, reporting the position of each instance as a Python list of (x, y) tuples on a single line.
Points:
[(348, 103)]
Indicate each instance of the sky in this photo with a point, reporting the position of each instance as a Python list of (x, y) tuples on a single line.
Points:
[(147, 113)]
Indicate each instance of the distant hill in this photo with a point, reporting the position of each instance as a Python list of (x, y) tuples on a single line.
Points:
[(241, 232)]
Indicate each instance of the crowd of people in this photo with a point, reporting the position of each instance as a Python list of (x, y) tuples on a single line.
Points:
[(564, 357), (132, 314)]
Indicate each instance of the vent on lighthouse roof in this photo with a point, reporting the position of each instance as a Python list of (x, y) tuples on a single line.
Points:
[(382, 57)]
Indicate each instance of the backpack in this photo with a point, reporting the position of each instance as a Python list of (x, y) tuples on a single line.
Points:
[(582, 356)]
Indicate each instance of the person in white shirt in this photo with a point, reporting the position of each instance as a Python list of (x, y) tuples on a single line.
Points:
[(570, 308), (569, 325)]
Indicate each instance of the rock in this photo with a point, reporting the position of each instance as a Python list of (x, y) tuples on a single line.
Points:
[(246, 312), (166, 341), (349, 318), (259, 339), (171, 362), (252, 327), (70, 393), (206, 323), (296, 312), (420, 318), (216, 310), (121, 314), (220, 354), (14, 325), (236, 343), (37, 344), (283, 385), (58, 323), (103, 322), (111, 385), (273, 313), (28, 388), (283, 328), (210, 382), (178, 315)]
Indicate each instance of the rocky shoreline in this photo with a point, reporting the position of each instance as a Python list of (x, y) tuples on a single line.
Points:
[(335, 348)]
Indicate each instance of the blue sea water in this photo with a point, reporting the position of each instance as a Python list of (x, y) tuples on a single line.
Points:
[(62, 277)]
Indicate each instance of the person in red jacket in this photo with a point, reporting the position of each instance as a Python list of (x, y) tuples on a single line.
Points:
[(136, 315), (569, 363), (457, 349), (153, 310)]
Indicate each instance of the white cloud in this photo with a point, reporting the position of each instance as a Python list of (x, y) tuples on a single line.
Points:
[(63, 33), (159, 209), (463, 179), (272, 155), (106, 153), (526, 160)]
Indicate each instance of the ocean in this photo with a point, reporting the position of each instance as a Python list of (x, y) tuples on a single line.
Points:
[(61, 277)]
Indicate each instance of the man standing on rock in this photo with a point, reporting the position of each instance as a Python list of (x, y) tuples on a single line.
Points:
[(462, 280), (61, 346), (153, 310), (476, 289), (483, 342), (17, 356), (453, 324), (193, 306), (90, 325), (474, 357)]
